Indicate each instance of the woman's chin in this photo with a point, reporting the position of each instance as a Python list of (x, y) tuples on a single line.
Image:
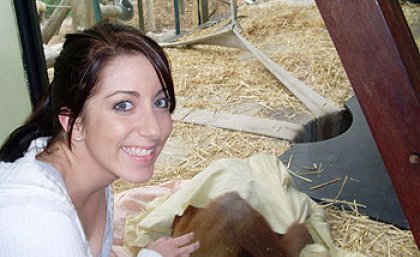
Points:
[(139, 176)]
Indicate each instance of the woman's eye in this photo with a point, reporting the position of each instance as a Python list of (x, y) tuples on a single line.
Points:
[(124, 106), (162, 103)]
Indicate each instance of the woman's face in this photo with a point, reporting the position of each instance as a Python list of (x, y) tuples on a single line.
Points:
[(127, 122)]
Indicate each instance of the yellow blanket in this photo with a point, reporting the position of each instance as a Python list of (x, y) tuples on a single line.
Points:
[(262, 180)]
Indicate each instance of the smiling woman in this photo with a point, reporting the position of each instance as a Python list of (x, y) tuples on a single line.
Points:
[(133, 105), (106, 115)]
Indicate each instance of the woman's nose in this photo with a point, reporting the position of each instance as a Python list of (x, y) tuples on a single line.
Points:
[(149, 125)]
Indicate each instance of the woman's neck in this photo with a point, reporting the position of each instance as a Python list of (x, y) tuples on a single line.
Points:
[(85, 188), (82, 180)]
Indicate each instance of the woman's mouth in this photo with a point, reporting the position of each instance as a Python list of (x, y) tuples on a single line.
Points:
[(137, 151)]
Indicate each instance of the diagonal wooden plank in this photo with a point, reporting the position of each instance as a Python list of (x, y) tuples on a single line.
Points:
[(272, 128), (328, 115)]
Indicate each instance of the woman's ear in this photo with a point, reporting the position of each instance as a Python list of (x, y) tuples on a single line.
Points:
[(65, 119)]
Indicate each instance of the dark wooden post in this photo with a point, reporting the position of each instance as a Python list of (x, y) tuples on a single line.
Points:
[(382, 62)]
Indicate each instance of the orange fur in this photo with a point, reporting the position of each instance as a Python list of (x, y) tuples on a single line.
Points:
[(230, 227)]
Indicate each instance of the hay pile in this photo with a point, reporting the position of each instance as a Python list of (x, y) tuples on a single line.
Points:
[(221, 79), (354, 232)]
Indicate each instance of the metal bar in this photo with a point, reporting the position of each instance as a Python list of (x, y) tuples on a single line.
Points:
[(177, 18), (97, 10), (382, 62)]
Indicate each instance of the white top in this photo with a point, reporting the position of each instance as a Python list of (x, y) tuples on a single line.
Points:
[(37, 216)]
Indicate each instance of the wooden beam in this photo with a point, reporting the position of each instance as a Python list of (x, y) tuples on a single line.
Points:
[(110, 11), (150, 14), (204, 11), (141, 16), (272, 128), (53, 24), (83, 16), (382, 62), (182, 6), (195, 13)]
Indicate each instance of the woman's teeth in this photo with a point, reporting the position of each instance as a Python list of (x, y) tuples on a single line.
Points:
[(135, 151)]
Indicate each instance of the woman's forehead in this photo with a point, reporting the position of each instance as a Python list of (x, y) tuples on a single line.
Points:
[(127, 73)]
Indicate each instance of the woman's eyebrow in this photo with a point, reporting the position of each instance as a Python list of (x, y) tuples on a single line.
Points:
[(159, 93), (125, 92)]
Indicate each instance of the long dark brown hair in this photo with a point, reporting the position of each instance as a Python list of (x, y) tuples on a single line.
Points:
[(76, 75)]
